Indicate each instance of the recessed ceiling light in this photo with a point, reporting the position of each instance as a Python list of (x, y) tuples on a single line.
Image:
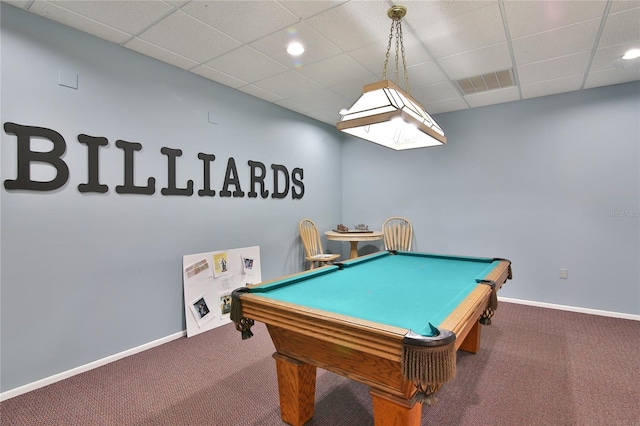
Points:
[(632, 54), (295, 48)]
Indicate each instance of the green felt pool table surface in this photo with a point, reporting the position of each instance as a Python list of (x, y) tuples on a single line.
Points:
[(407, 289)]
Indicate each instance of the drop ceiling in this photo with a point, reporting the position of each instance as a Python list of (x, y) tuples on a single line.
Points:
[(546, 47)]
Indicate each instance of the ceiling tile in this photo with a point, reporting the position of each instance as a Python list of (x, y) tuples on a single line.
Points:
[(288, 84), (435, 92), (260, 93), (373, 55), (218, 76), (352, 90), (611, 57), (71, 19), (129, 16), (317, 47), (551, 87), (336, 70), (197, 41), (246, 64), (333, 116), (610, 76), (324, 99), (447, 105), (621, 28), (555, 43), (608, 67), (18, 3), (293, 106), (620, 5), (317, 100), (354, 24), (425, 13), (322, 117), (160, 54), (507, 94), (307, 9), (477, 62), (461, 33), (425, 74), (246, 21), (531, 17), (565, 66)]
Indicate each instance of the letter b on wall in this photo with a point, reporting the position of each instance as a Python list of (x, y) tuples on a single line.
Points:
[(26, 156)]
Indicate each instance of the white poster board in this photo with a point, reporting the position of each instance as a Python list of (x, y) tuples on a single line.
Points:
[(209, 279)]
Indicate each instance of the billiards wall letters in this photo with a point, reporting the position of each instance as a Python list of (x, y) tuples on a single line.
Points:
[(282, 180)]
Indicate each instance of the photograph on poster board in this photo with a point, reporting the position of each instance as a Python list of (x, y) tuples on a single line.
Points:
[(201, 311), (225, 304), (198, 271), (221, 265), (212, 276), (248, 264)]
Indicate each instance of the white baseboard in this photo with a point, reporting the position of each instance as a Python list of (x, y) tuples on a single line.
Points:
[(90, 366), (65, 374), (572, 309)]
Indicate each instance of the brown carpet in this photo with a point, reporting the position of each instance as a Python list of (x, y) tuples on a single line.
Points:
[(535, 367)]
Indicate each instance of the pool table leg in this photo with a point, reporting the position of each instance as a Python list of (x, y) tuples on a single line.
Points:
[(297, 389), (471, 342), (390, 410)]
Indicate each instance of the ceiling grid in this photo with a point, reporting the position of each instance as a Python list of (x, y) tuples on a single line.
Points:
[(549, 46)]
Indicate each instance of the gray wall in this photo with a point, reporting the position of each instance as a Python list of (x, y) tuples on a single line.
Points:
[(85, 276), (549, 183)]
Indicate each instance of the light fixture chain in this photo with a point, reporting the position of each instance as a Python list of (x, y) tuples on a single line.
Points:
[(386, 61), (396, 23), (404, 61), (398, 29)]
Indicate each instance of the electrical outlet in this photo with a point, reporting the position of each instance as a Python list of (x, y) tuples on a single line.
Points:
[(563, 273)]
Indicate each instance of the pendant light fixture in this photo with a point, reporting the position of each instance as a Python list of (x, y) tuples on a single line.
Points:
[(387, 115)]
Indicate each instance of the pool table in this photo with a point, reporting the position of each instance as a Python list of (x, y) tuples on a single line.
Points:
[(390, 320)]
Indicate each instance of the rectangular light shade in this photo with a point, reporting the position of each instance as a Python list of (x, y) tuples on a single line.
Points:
[(388, 116)]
